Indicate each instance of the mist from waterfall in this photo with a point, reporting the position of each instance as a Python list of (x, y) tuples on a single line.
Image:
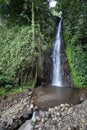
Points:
[(57, 78)]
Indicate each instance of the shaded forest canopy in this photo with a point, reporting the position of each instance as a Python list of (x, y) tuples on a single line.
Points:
[(26, 31)]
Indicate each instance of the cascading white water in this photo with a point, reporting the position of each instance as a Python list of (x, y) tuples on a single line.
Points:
[(57, 80)]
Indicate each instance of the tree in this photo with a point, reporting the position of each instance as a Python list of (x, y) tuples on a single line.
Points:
[(25, 34), (74, 25)]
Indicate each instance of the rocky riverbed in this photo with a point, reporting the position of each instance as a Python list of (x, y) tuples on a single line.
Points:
[(19, 112), (63, 117), (15, 109)]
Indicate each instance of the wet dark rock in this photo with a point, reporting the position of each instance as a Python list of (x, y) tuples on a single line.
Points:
[(25, 116), (65, 69), (0, 113), (26, 126), (76, 127), (20, 122), (29, 112), (5, 97), (2, 128), (48, 66), (85, 127)]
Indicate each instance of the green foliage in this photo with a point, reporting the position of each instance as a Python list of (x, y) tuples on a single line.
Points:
[(20, 53), (4, 1), (77, 60), (75, 32), (4, 91)]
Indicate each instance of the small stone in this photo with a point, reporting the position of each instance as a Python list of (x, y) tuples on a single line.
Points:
[(62, 105), (14, 117), (56, 107), (30, 93), (57, 113), (48, 114), (38, 118), (31, 106), (62, 114), (33, 120), (46, 119), (52, 116), (49, 109), (42, 120), (82, 99), (32, 102), (66, 108), (69, 128), (85, 127), (25, 100), (15, 101), (27, 106), (37, 126), (10, 122), (29, 111), (67, 105), (25, 116), (35, 108), (72, 128), (40, 128), (42, 114), (70, 110), (55, 118), (62, 109), (18, 116), (76, 127)]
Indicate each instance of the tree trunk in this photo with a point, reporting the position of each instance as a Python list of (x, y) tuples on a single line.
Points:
[(33, 39), (33, 25)]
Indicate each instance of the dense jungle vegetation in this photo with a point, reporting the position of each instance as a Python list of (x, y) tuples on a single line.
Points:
[(26, 31), (75, 35)]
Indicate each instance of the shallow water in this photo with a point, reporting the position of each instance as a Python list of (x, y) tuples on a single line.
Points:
[(53, 96)]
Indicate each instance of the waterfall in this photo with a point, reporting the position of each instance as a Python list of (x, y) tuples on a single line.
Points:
[(57, 79), (52, 3)]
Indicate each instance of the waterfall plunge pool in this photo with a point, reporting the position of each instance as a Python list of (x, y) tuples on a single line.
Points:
[(46, 97)]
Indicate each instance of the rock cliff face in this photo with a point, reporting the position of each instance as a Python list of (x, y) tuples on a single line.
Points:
[(48, 67), (65, 69), (66, 73), (46, 77)]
